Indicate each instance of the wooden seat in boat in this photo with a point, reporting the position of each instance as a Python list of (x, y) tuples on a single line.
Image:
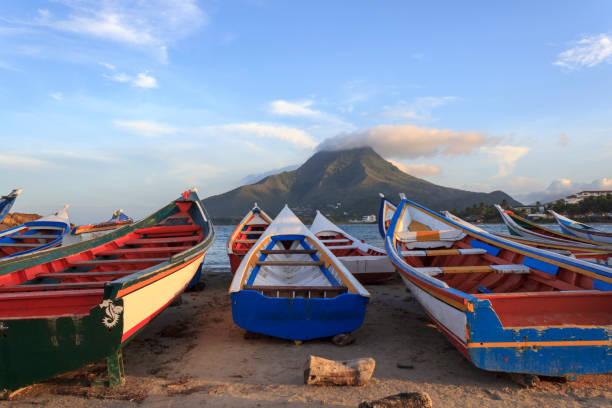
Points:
[(290, 263), (23, 245), (437, 270), (94, 262), (34, 236), (438, 252), (123, 251), (51, 286), (245, 241), (287, 251), (299, 291)]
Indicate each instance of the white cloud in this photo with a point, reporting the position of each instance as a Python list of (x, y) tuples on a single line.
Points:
[(408, 141), (562, 188), (282, 107), (145, 128), (588, 52), (16, 162), (506, 157), (57, 96), (417, 170), (108, 66), (419, 109), (292, 135), (149, 23), (142, 80)]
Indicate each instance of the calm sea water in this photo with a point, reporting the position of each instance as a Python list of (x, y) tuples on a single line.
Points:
[(216, 257)]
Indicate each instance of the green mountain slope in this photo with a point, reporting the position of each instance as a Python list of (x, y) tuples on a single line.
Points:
[(353, 178)]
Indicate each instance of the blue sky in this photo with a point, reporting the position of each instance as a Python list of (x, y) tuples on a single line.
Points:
[(108, 104)]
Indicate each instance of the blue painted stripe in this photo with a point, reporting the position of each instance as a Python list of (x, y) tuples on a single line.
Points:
[(324, 270), (482, 289), (541, 265), (601, 285), (489, 248)]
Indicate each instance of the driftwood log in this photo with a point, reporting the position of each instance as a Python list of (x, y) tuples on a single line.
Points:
[(403, 400), (320, 371)]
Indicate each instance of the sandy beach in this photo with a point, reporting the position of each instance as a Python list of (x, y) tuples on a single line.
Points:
[(194, 355)]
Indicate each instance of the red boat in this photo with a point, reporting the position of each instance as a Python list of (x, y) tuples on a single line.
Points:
[(246, 233), (367, 263)]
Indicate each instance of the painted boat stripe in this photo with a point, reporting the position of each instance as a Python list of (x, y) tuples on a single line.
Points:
[(156, 277), (140, 325), (542, 344)]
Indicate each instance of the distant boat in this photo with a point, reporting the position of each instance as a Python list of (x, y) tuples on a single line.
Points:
[(74, 305), (289, 285), (367, 263), (246, 233), (505, 306), (581, 230), (522, 227), (119, 219), (34, 236), (592, 253), (6, 202)]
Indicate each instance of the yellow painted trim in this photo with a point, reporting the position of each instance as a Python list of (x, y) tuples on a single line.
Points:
[(466, 269), (542, 344)]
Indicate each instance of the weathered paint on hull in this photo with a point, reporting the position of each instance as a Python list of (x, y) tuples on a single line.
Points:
[(298, 318)]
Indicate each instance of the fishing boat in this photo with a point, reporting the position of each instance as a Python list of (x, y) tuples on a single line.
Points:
[(69, 306), (591, 253), (33, 236), (583, 231), (289, 285), (505, 306), (119, 219), (7, 201), (520, 226), (367, 263), (246, 233)]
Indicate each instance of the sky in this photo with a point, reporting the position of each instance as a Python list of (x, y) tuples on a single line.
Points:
[(118, 103)]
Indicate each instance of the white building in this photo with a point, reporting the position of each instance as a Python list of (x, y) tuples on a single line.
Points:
[(576, 198)]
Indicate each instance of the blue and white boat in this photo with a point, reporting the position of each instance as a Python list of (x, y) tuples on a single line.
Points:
[(581, 230), (7, 201), (290, 285), (44, 233)]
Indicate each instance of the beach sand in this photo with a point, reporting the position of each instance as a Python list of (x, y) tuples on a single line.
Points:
[(194, 355)]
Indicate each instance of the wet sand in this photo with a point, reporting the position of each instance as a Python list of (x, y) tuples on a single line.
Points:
[(194, 355)]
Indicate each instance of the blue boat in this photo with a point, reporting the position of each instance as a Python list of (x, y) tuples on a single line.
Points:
[(44, 233), (6, 202), (290, 285), (505, 306)]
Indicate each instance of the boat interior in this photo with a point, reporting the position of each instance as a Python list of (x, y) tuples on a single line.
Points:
[(29, 237), (341, 245), (74, 284), (292, 266), (458, 259), (249, 234)]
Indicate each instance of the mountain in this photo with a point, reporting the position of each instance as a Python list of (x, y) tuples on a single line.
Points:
[(254, 178), (352, 178)]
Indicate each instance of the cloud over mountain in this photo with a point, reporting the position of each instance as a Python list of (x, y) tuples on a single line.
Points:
[(408, 141)]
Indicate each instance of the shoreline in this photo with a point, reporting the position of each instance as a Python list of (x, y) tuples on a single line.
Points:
[(193, 355)]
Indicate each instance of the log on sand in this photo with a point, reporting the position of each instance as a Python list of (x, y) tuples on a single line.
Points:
[(403, 400), (320, 371)]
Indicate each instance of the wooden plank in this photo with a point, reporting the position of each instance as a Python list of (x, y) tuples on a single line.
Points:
[(290, 263), (288, 251), (51, 286), (252, 232), (94, 262), (168, 240), (71, 275), (122, 251), (34, 236), (554, 283), (245, 241), (167, 229), (264, 287)]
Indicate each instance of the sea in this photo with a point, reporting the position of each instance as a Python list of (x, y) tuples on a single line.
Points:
[(217, 261)]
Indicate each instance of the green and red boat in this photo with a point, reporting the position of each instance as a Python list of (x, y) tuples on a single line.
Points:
[(66, 307)]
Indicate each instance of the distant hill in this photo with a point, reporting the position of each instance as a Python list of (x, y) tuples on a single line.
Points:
[(353, 178)]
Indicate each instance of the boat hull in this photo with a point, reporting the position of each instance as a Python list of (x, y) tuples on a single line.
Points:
[(298, 318), (585, 234), (369, 269)]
